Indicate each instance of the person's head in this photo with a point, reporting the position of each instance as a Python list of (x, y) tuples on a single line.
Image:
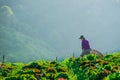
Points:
[(82, 37)]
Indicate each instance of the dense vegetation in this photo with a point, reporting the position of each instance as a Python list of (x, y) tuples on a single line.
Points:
[(90, 67)]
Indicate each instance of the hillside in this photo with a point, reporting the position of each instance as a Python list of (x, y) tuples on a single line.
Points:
[(32, 30), (17, 42), (90, 67)]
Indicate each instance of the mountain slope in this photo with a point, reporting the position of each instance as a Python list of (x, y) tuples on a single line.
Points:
[(16, 42)]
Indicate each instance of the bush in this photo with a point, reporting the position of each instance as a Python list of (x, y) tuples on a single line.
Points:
[(62, 75), (90, 57), (50, 76), (114, 76), (4, 73), (32, 78), (108, 67), (11, 78)]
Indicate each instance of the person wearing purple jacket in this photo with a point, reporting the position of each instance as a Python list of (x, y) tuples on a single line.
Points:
[(85, 46)]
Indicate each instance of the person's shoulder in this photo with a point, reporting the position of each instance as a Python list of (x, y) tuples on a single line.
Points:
[(86, 40)]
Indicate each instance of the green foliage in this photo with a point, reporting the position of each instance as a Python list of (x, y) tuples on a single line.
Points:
[(108, 56), (32, 78), (108, 67), (114, 76), (88, 68), (4, 74), (17, 78), (62, 75), (90, 57), (11, 78)]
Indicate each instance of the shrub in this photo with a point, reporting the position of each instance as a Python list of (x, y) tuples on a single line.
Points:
[(108, 67), (115, 76), (51, 70), (62, 75), (4, 73), (11, 78), (32, 78), (90, 57), (50, 76)]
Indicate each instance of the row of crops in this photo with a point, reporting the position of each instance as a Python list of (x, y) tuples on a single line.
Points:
[(90, 67)]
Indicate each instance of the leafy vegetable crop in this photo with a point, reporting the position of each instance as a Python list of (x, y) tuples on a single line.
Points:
[(90, 67)]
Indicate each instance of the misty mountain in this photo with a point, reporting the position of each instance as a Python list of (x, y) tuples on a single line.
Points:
[(17, 42), (46, 27)]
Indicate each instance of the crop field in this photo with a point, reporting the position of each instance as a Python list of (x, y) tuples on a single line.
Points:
[(90, 67)]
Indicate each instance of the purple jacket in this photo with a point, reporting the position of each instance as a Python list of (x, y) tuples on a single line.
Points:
[(85, 44)]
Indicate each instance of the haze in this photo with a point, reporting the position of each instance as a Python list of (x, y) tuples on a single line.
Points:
[(61, 22)]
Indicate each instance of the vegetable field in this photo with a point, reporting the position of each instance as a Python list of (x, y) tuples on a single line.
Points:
[(90, 67)]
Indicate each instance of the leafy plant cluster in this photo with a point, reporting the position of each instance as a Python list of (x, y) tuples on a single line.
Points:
[(89, 67)]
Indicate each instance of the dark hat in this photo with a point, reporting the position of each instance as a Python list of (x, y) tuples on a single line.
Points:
[(81, 37)]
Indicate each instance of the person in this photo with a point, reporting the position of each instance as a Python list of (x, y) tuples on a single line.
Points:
[(85, 46)]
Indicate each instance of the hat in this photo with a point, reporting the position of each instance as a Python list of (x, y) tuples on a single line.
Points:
[(81, 37)]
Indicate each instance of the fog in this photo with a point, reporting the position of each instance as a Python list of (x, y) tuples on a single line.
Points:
[(61, 22), (97, 20)]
